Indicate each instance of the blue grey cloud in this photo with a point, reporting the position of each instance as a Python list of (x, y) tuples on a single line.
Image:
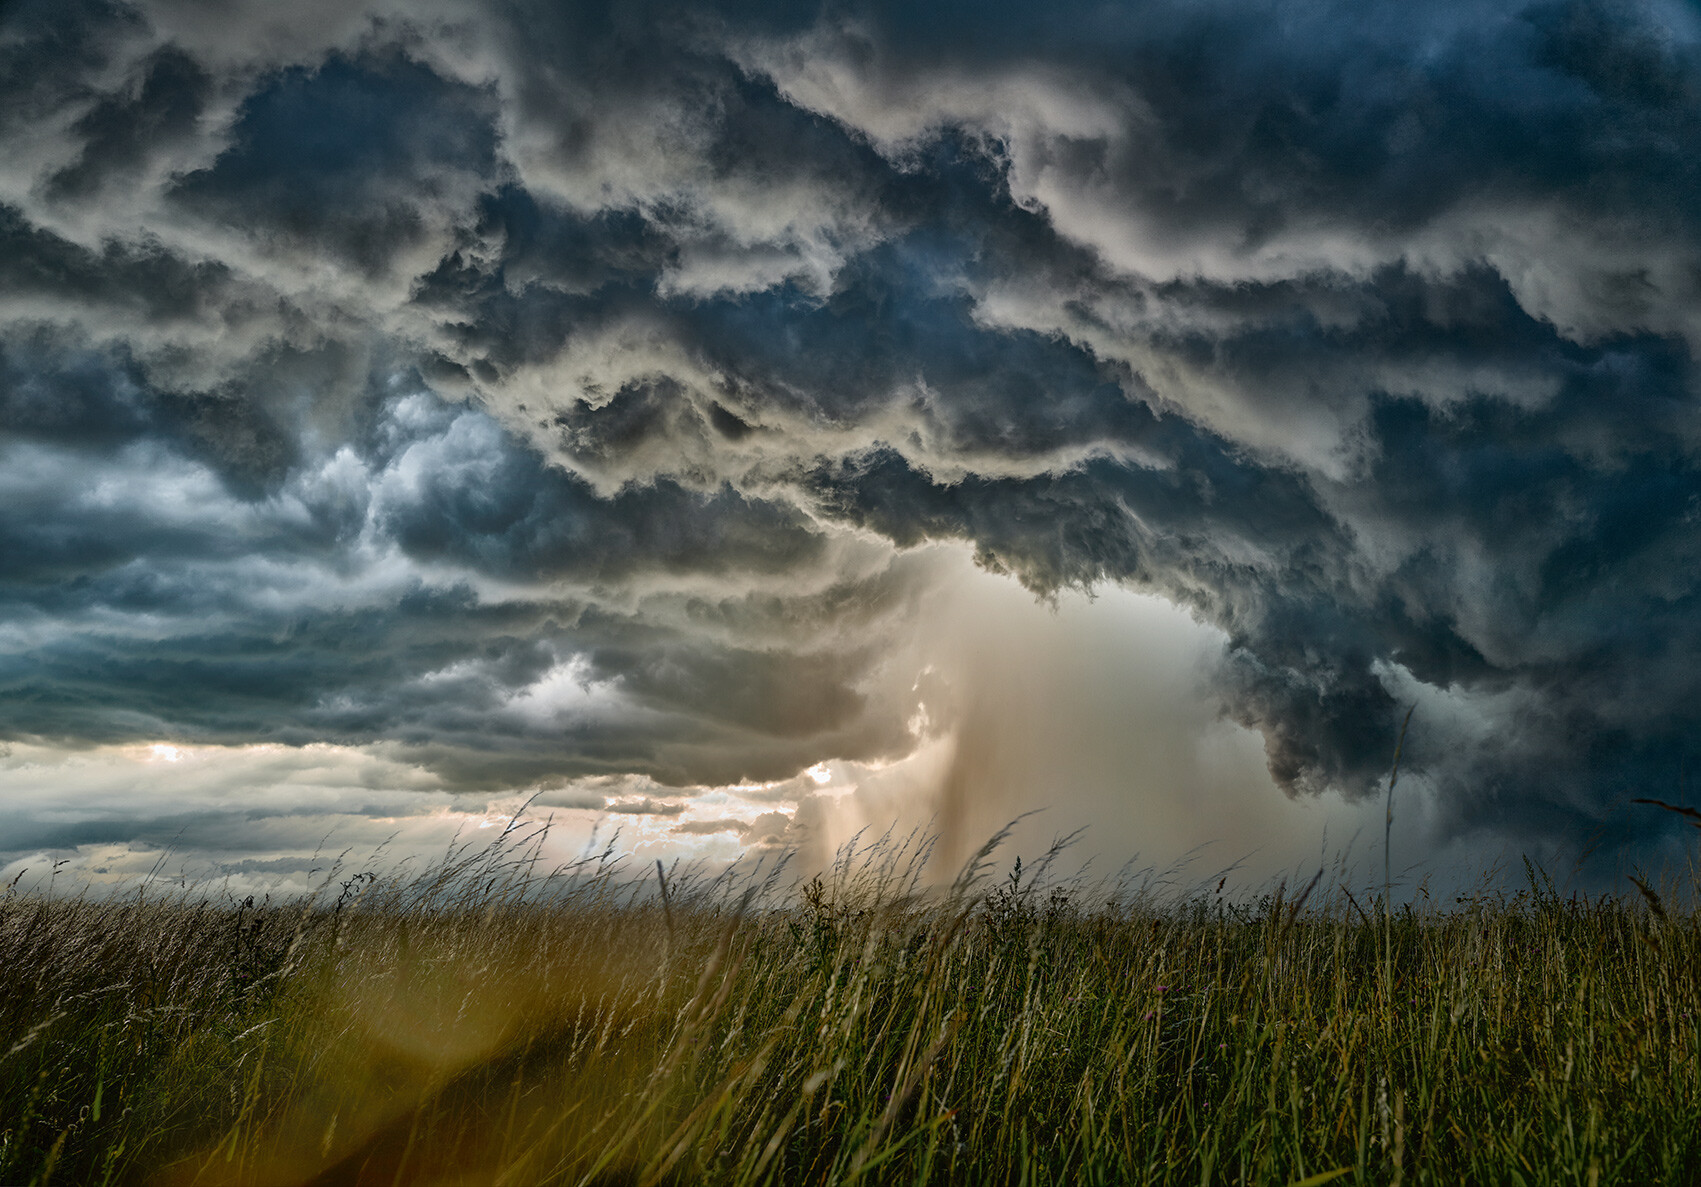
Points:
[(387, 375)]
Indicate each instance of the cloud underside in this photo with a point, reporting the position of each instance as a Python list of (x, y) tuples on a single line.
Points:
[(555, 392)]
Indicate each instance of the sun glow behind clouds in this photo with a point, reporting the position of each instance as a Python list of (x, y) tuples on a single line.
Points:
[(1092, 711)]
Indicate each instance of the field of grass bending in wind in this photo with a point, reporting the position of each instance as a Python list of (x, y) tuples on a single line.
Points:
[(486, 1024)]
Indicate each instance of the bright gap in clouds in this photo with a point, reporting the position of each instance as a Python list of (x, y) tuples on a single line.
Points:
[(1092, 713)]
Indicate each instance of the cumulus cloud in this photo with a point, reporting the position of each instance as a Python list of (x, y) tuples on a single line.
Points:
[(567, 392)]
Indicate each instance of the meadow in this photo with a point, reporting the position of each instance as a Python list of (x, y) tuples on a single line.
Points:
[(484, 1022)]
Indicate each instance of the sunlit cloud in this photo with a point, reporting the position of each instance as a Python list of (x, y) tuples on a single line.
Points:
[(715, 426)]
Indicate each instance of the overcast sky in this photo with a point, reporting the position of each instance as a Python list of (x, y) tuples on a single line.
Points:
[(741, 427)]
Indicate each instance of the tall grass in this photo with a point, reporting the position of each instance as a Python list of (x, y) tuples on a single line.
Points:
[(485, 1024)]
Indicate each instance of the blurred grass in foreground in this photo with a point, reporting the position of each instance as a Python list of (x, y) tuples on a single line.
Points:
[(483, 1024)]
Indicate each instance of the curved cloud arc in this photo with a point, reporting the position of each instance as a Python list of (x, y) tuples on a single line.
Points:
[(561, 391)]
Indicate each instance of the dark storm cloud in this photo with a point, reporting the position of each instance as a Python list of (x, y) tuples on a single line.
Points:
[(119, 129), (183, 610), (340, 159), (533, 388)]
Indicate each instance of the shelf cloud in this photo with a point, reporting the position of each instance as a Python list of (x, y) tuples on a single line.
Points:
[(547, 393)]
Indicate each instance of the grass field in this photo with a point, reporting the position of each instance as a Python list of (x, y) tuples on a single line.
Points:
[(485, 1024)]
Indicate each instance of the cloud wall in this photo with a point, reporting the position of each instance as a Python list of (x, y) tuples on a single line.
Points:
[(562, 392)]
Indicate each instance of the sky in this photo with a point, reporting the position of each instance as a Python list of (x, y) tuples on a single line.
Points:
[(724, 428)]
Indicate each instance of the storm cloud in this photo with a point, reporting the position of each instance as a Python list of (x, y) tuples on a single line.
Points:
[(559, 392)]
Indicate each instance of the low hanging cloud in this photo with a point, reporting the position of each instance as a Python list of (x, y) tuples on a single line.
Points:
[(558, 392)]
